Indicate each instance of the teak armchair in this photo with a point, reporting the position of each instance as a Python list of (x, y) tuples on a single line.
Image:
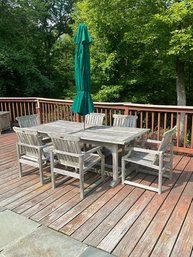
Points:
[(71, 160), (31, 150), (157, 162)]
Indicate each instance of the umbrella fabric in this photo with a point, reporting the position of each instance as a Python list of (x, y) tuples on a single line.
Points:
[(83, 103)]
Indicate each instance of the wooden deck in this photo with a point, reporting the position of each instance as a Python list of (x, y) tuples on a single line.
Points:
[(124, 220)]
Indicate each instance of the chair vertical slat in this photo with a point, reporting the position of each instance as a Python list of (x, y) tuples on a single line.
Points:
[(28, 121), (124, 120), (95, 119)]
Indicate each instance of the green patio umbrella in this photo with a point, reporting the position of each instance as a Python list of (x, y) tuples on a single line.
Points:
[(83, 103)]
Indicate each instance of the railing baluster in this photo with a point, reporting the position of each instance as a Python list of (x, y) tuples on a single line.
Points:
[(158, 122), (141, 119), (172, 120), (152, 122), (147, 120), (185, 129), (192, 132), (13, 111), (178, 129), (165, 121)]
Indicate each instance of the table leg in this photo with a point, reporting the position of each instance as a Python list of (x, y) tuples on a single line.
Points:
[(114, 152)]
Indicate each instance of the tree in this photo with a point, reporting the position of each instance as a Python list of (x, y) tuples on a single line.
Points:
[(176, 19), (29, 31), (142, 45)]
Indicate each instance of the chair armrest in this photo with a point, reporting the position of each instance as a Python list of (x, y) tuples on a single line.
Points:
[(95, 149), (142, 150), (31, 146), (66, 153), (47, 145), (153, 141)]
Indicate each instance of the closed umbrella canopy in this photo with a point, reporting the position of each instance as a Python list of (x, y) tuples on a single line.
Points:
[(83, 103)]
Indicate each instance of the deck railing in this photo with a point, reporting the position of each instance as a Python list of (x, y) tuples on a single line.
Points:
[(158, 118)]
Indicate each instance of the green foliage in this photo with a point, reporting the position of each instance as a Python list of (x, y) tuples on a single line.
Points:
[(31, 51), (63, 67), (108, 94), (138, 41)]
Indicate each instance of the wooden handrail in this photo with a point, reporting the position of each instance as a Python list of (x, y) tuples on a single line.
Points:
[(158, 118)]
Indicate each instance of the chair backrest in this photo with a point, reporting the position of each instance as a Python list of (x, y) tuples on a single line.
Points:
[(28, 121), (26, 139), (67, 148), (166, 140), (120, 120), (94, 119)]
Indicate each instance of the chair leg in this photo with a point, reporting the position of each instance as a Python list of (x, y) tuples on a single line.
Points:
[(160, 182), (52, 170), (81, 185), (81, 180), (123, 170), (53, 180), (40, 166), (103, 167), (160, 175), (20, 170), (171, 162), (19, 164)]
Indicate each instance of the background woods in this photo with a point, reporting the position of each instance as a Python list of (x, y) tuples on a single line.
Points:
[(142, 50)]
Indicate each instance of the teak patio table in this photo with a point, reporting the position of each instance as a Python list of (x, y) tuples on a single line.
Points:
[(107, 136)]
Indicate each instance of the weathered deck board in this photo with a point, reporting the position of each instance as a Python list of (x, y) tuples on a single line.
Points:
[(85, 215), (55, 210), (102, 230), (126, 245), (147, 242), (184, 243), (169, 235), (73, 211), (123, 220), (83, 231)]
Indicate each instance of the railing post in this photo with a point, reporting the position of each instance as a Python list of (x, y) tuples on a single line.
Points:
[(38, 111), (126, 111)]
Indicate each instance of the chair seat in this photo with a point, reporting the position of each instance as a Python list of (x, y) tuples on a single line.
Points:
[(141, 158)]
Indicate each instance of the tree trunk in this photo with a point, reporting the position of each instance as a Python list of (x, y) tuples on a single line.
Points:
[(181, 94)]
